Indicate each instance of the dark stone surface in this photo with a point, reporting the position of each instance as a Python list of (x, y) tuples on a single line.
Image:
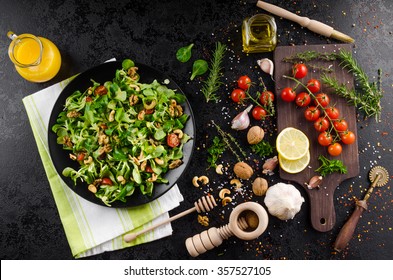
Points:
[(89, 32)]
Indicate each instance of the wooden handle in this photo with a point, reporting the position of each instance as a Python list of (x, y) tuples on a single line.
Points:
[(323, 215), (313, 25), (349, 227), (132, 236)]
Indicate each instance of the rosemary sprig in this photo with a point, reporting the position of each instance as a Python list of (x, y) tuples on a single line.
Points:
[(307, 56), (367, 100), (229, 140), (213, 83), (369, 104)]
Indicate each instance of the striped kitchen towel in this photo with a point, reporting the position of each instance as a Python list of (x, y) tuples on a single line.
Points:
[(92, 229)]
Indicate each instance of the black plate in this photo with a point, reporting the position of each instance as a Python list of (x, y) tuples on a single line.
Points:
[(102, 73)]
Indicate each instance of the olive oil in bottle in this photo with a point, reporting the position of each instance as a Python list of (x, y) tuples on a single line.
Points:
[(259, 34)]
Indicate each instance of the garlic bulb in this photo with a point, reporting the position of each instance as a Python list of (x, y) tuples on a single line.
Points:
[(283, 201), (266, 65), (242, 120)]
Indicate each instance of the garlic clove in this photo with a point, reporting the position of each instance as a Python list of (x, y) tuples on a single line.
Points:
[(269, 165), (314, 182), (266, 65), (242, 120)]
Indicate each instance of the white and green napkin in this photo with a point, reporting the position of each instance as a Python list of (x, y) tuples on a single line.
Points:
[(92, 229)]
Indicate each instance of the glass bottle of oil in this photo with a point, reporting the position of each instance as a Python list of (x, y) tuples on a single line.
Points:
[(259, 34)]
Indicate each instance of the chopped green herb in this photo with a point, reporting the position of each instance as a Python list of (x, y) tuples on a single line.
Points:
[(262, 149), (330, 166), (215, 151)]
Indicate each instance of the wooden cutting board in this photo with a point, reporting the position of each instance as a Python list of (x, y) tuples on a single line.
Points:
[(321, 200)]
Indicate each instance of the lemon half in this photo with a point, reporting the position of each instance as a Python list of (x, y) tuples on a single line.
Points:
[(292, 144)]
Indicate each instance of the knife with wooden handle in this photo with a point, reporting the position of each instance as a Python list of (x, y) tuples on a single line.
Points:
[(313, 25)]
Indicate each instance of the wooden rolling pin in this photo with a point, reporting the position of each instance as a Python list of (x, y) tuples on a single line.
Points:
[(313, 25)]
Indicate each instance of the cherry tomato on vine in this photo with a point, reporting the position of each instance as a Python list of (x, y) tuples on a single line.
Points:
[(312, 113), (266, 97), (258, 113), (335, 149), (299, 70), (332, 112), (340, 125), (348, 137), (314, 85), (322, 99), (106, 181), (244, 82), (321, 124), (325, 138), (302, 99), (288, 95), (172, 140), (238, 95)]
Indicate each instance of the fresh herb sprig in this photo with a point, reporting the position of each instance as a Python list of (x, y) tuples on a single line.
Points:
[(230, 142), (370, 94), (330, 166), (262, 149), (368, 100), (368, 103), (212, 84), (215, 151)]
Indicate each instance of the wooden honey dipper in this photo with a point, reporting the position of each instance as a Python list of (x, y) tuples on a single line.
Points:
[(204, 204), (238, 226)]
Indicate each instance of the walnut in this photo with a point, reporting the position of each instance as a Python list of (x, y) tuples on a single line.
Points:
[(259, 186), (255, 135), (73, 114), (100, 90), (243, 170)]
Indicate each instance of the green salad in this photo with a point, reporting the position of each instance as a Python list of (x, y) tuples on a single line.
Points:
[(124, 134)]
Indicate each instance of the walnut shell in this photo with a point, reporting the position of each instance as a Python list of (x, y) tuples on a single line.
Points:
[(259, 186), (243, 170), (255, 135)]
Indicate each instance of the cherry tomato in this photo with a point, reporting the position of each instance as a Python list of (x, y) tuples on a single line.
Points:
[(302, 99), (288, 95), (80, 156), (106, 181), (258, 113), (347, 137), (335, 149), (332, 112), (238, 95), (314, 85), (266, 97), (172, 140), (299, 70), (340, 125), (149, 169), (321, 124), (244, 82), (312, 113), (322, 99), (89, 99), (325, 139)]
